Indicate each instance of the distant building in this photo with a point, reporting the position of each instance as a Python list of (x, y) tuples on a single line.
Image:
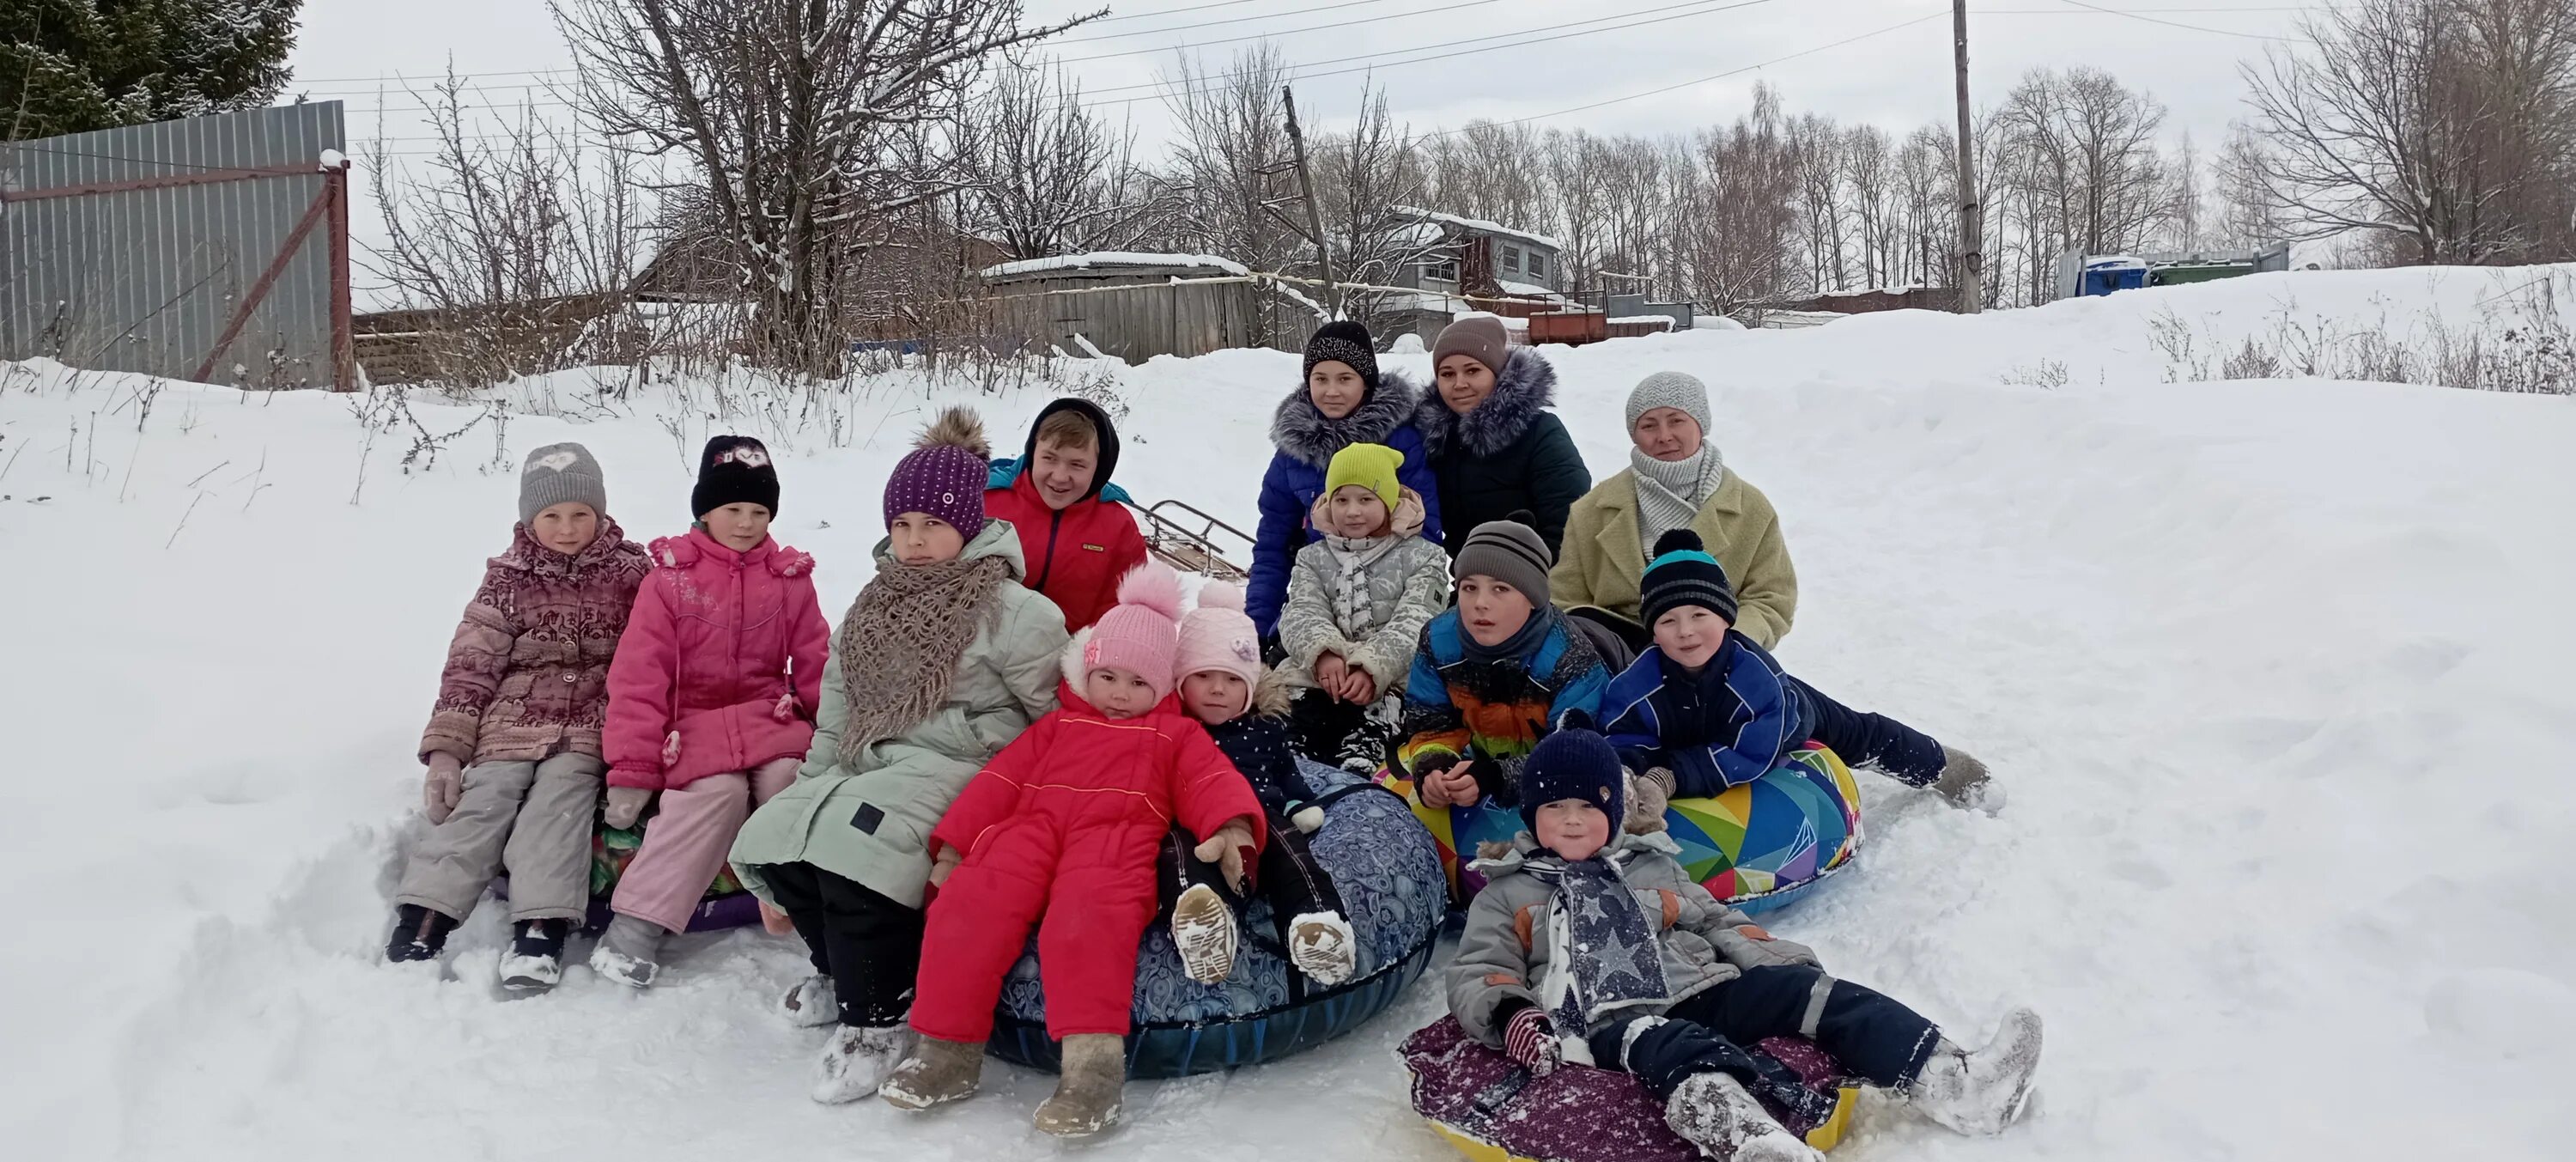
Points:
[(1134, 306), (2081, 274), (1471, 256)]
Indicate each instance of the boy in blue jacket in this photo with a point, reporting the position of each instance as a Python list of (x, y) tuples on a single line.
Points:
[(1703, 710)]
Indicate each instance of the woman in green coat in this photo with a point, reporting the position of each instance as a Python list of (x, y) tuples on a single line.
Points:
[(1676, 479), (944, 658), (1492, 447)]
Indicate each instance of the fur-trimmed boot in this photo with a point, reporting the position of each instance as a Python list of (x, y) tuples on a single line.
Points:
[(1980, 1091), (857, 1060), (937, 1072), (1203, 930), (810, 1002), (1714, 1112), (1323, 947), (630, 952), (1087, 1091)]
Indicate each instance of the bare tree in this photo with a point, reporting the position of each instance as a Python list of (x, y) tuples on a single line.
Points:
[(1869, 171), (1815, 151), (1927, 181), (1361, 177), (2449, 125), (1231, 162), (1740, 228), (812, 125), (1044, 175)]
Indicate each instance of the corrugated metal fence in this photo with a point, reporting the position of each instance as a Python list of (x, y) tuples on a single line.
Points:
[(211, 248)]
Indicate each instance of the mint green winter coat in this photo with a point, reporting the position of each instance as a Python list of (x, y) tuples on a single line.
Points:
[(870, 821)]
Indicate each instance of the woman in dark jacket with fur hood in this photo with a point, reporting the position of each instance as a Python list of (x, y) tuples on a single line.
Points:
[(1493, 450), (1344, 400)]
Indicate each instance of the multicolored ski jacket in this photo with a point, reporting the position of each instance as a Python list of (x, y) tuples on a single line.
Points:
[(1458, 708)]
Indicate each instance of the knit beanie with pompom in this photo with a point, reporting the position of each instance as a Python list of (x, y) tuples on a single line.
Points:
[(1141, 632), (944, 473), (1219, 636)]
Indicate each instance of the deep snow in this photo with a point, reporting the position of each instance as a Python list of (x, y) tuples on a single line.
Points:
[(2276, 670)]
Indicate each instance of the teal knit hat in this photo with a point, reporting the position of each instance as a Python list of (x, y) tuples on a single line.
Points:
[(1683, 573)]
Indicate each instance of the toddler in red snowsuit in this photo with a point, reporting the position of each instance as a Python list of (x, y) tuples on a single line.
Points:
[(1065, 823)]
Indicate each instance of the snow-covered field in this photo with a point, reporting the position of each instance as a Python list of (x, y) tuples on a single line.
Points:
[(2277, 671)]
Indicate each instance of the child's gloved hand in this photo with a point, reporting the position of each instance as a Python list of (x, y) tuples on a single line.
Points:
[(625, 805), (1308, 819), (442, 787), (1648, 795), (1227, 849), (1531, 1040)]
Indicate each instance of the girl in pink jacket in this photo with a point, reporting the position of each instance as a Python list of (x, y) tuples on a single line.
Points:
[(711, 698)]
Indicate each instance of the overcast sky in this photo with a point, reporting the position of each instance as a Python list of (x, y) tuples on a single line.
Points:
[(1898, 74)]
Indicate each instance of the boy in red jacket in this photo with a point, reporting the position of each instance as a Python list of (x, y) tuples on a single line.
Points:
[(1065, 821), (1076, 536)]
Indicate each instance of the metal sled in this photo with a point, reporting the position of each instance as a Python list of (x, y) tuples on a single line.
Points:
[(1186, 539)]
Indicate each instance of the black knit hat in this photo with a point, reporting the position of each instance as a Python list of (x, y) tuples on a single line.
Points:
[(734, 470), (1343, 341), (1682, 573), (1574, 763)]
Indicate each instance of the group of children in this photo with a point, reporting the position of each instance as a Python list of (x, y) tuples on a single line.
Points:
[(1018, 728)]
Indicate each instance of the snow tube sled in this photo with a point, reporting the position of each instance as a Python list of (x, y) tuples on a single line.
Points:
[(1493, 1110), (726, 904), (1388, 873), (1756, 847)]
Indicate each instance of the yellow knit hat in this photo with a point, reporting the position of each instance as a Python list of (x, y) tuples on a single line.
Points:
[(1371, 466)]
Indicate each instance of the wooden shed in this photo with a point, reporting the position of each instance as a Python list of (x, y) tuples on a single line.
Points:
[(1135, 306)]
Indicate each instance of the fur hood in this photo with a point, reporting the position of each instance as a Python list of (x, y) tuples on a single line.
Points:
[(1302, 432), (1526, 384)]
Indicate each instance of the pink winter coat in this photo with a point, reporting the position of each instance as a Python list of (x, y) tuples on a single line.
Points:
[(721, 667), (527, 674)]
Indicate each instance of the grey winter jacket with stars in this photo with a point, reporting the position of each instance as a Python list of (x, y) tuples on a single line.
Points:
[(1504, 954)]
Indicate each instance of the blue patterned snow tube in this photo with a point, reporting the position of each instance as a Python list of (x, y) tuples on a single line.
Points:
[(1388, 872)]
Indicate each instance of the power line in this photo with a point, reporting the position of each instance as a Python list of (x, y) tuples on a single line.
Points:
[(2178, 24), (1215, 23), (1276, 32)]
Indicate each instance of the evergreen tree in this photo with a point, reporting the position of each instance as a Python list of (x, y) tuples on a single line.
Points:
[(67, 66)]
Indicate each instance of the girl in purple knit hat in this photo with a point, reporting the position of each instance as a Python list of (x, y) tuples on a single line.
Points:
[(944, 657)]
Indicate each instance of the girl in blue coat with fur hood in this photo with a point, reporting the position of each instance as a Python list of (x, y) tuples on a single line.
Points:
[(1344, 400)]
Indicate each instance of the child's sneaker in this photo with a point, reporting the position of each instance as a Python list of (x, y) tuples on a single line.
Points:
[(938, 1071), (856, 1061), (1713, 1112), (813, 1001), (1321, 945), (1981, 1091), (629, 952), (535, 960), (419, 934), (1203, 930), (1089, 1088)]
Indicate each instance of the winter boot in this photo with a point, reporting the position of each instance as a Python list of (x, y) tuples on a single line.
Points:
[(938, 1071), (419, 934), (1204, 932), (1087, 1092), (856, 1061), (535, 960), (1980, 1091), (812, 1002), (1965, 782), (1321, 945), (630, 952), (1363, 752), (1713, 1112)]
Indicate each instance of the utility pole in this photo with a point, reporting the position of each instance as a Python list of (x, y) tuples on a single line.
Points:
[(1972, 210), (1314, 215)]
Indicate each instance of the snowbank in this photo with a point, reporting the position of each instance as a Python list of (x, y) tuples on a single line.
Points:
[(2275, 669)]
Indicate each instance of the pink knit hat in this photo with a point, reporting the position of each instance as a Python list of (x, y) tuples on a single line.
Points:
[(1141, 631), (1219, 636)]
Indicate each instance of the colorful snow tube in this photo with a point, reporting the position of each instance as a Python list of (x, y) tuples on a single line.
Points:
[(1757, 846), (1388, 873), (1492, 1110)]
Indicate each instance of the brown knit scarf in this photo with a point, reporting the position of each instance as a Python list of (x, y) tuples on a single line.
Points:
[(902, 641)]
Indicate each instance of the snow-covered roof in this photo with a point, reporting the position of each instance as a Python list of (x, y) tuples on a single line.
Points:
[(1527, 290), (1478, 225), (1112, 258), (1666, 320)]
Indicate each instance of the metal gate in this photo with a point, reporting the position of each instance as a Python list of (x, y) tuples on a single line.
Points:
[(213, 249)]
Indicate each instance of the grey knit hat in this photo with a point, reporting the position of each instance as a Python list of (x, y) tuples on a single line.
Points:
[(1479, 337), (1669, 389), (1508, 551), (560, 474)]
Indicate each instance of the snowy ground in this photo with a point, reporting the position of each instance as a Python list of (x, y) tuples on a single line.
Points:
[(2277, 672)]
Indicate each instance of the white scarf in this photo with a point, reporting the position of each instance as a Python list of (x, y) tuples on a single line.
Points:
[(1353, 613), (1669, 493)]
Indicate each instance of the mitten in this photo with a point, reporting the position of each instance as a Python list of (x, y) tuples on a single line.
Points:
[(625, 805), (1308, 819), (442, 787), (1531, 1040), (1227, 849), (1648, 795)]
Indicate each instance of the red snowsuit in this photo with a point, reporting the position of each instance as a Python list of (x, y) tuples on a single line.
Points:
[(1065, 822)]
